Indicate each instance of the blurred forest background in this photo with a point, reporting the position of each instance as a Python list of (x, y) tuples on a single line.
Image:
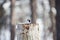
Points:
[(18, 17)]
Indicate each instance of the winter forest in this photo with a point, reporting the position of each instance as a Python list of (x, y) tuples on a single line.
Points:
[(29, 20)]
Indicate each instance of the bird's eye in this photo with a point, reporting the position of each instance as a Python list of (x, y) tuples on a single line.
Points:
[(28, 20)]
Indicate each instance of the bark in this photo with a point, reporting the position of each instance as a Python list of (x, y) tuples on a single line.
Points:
[(33, 10), (12, 20), (53, 15)]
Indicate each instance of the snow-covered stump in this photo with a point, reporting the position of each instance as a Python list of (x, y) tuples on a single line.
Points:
[(28, 32), (34, 32)]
